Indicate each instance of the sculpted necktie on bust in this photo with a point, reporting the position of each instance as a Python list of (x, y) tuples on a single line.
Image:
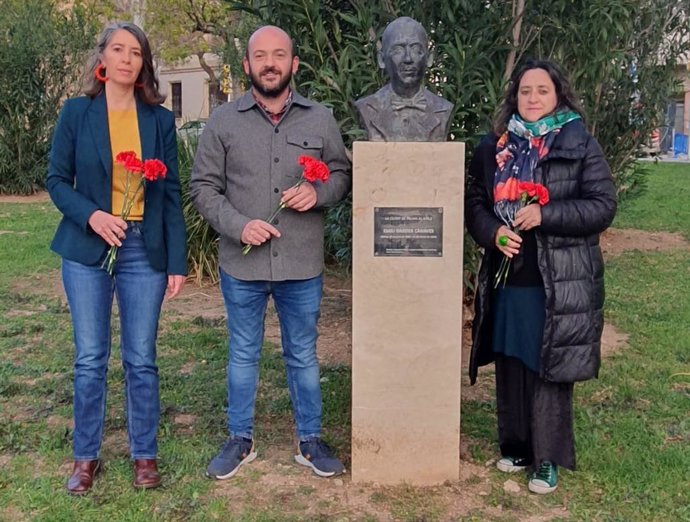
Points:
[(418, 101)]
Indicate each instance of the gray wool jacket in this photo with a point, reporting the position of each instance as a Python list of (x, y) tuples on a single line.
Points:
[(243, 164)]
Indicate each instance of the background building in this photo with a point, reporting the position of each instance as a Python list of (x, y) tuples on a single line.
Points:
[(186, 86)]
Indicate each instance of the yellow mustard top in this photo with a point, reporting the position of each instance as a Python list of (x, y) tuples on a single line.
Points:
[(124, 136)]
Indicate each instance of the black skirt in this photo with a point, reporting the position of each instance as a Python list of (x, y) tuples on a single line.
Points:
[(518, 325)]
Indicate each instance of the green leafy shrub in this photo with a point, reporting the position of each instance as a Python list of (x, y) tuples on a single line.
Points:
[(202, 240), (43, 51)]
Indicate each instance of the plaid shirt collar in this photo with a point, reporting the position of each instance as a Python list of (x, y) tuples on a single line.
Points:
[(275, 117)]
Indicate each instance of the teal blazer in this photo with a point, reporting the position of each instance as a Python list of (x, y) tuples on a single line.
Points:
[(80, 180)]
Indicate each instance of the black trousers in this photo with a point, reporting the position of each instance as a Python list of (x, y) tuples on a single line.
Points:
[(535, 418)]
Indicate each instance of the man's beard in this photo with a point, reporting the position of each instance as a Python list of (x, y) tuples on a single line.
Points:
[(270, 92)]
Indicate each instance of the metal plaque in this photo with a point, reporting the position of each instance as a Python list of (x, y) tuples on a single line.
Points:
[(408, 231)]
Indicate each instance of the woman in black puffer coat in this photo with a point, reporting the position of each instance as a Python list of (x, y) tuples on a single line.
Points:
[(541, 321)]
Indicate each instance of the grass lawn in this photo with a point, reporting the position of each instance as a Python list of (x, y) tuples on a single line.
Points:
[(632, 424), (662, 206)]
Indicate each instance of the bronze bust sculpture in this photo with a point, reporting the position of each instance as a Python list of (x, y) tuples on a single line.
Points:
[(404, 110)]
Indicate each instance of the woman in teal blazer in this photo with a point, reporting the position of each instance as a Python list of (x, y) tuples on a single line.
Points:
[(121, 106)]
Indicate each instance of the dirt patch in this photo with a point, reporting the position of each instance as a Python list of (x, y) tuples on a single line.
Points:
[(184, 419), (60, 422), (297, 490), (615, 241), (14, 514), (115, 444), (46, 284), (38, 197), (612, 340)]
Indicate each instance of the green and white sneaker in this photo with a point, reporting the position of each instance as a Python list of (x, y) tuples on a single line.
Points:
[(545, 479), (513, 464)]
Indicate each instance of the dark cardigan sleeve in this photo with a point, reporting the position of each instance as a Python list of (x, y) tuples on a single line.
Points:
[(480, 219)]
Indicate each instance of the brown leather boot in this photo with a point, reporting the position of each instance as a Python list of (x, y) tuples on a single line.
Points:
[(82, 476), (146, 474)]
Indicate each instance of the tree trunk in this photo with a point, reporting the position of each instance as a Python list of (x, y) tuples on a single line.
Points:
[(518, 13), (213, 83)]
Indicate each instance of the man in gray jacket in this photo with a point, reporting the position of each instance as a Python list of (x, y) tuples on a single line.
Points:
[(246, 166)]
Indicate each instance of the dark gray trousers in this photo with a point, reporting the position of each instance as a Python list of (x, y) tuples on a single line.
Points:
[(535, 418)]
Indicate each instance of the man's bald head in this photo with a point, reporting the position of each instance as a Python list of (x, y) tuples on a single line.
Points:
[(270, 62), (275, 35)]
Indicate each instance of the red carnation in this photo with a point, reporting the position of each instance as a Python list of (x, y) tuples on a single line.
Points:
[(534, 190), (314, 170), (135, 165), (130, 161), (123, 157), (154, 169)]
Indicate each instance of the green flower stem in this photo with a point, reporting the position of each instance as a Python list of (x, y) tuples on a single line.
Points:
[(109, 261)]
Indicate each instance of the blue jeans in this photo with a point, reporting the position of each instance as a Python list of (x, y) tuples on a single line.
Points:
[(298, 306), (139, 290)]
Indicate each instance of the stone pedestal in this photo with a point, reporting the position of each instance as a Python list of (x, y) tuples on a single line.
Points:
[(407, 311)]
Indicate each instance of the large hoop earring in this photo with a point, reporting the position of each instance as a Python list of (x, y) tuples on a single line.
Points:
[(99, 73)]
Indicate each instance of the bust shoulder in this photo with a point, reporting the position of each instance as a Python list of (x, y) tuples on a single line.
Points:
[(375, 102), (437, 103)]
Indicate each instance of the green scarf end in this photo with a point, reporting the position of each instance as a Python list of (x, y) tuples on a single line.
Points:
[(543, 126)]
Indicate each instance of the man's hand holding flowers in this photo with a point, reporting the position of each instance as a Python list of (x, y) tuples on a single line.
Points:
[(300, 198), (257, 232)]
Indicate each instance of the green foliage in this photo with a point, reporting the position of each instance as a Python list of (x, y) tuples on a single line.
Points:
[(202, 242), (620, 54), (42, 53)]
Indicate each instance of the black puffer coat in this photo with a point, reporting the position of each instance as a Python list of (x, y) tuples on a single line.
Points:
[(582, 205)]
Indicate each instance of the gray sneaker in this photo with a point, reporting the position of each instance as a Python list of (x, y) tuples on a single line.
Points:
[(235, 452), (513, 464), (315, 454)]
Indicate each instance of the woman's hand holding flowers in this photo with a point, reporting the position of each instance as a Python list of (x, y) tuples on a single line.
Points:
[(512, 246), (110, 228), (528, 217)]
